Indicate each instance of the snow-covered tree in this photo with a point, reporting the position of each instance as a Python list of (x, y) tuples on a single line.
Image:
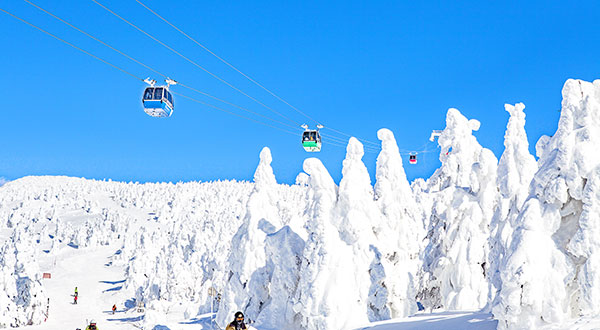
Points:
[(399, 235), (550, 272), (247, 278), (515, 172), (316, 303), (456, 257)]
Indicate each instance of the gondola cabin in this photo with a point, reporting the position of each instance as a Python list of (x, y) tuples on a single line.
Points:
[(311, 140), (158, 102), (412, 159)]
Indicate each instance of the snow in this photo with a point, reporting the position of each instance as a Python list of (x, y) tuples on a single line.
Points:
[(463, 191), (437, 321), (481, 244), (549, 274), (516, 169)]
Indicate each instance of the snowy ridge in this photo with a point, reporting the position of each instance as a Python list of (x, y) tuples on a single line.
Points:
[(512, 236)]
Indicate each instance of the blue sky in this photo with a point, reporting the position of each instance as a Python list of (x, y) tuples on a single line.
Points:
[(354, 66)]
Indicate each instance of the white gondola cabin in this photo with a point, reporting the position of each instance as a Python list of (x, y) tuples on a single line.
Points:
[(157, 100)]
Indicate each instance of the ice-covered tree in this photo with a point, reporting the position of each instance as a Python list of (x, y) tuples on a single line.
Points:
[(551, 272), (399, 235), (359, 220), (246, 284), (515, 172), (22, 296), (284, 250), (464, 189), (322, 273)]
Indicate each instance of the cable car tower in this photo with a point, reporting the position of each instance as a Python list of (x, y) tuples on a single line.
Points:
[(435, 133), (157, 100), (311, 139)]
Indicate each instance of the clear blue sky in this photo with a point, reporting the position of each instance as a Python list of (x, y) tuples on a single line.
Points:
[(355, 66)]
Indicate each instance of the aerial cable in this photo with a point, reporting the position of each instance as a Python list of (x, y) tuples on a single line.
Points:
[(348, 135), (345, 142), (139, 78), (345, 147), (153, 70), (96, 39), (70, 44), (245, 75), (194, 63), (136, 77), (239, 107), (227, 63), (233, 113)]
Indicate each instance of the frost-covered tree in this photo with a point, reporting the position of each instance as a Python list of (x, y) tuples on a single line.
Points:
[(247, 281), (550, 272), (358, 220), (399, 235), (316, 303), (284, 250), (464, 187), (586, 248), (22, 296), (515, 172)]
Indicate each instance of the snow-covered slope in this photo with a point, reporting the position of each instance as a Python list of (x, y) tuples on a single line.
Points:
[(513, 237)]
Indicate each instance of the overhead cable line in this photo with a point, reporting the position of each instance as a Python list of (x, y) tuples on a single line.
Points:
[(345, 142), (136, 77), (227, 63), (348, 135), (233, 113), (246, 76), (194, 63), (153, 70), (70, 44)]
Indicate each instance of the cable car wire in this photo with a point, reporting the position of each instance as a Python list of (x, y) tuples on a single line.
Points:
[(194, 63), (233, 113), (139, 78), (227, 63), (154, 70), (248, 77), (345, 142), (333, 143), (348, 135), (70, 44)]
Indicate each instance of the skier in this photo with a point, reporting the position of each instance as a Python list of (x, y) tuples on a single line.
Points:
[(76, 293), (75, 300), (238, 322), (92, 326), (114, 308)]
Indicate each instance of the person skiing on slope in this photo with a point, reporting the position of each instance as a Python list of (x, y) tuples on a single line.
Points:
[(92, 326), (238, 322), (76, 293), (114, 308), (75, 300)]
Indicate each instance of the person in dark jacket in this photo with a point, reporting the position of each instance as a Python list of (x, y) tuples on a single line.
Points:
[(92, 326), (238, 322)]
